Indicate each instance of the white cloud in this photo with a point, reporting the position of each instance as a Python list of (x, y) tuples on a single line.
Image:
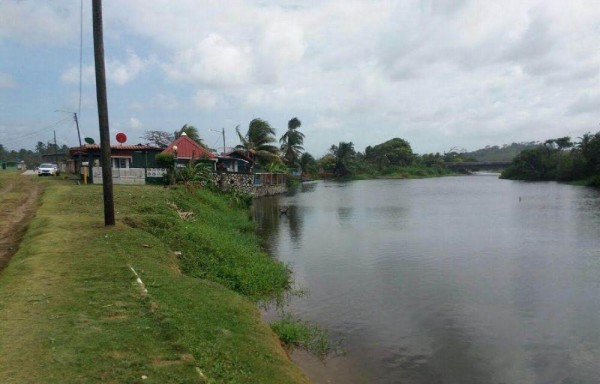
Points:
[(71, 75), (162, 102), (586, 103), (122, 72), (205, 100), (134, 122), (117, 71), (213, 61), (7, 81), (34, 22)]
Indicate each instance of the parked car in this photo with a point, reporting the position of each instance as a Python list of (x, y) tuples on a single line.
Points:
[(48, 169)]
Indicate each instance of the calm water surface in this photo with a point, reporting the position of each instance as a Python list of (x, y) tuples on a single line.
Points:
[(450, 280)]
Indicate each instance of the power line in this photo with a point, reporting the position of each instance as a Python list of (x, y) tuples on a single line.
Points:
[(80, 53), (36, 132)]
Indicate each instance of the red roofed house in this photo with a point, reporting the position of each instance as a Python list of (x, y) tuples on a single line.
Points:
[(185, 149)]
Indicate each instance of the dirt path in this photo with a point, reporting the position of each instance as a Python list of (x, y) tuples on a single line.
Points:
[(18, 203)]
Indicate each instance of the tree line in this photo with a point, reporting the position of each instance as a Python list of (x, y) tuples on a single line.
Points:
[(559, 159), (393, 158), (32, 157)]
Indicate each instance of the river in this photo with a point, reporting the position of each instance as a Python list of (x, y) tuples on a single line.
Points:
[(460, 280)]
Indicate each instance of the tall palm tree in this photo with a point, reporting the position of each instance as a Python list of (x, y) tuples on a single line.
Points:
[(291, 142), (257, 141)]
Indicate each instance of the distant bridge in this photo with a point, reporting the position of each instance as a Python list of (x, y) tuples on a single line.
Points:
[(473, 166)]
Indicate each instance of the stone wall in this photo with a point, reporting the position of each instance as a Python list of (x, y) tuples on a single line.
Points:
[(257, 185), (227, 182), (245, 183)]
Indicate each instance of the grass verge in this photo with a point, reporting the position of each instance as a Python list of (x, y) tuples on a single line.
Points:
[(72, 310)]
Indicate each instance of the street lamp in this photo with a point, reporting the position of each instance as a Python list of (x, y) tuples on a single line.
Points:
[(174, 163)]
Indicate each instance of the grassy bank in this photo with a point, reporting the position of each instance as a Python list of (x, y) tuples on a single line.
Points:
[(71, 309)]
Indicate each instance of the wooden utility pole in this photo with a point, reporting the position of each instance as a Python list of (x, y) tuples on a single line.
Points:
[(107, 182)]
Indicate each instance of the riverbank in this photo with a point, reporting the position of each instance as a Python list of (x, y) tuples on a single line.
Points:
[(80, 302)]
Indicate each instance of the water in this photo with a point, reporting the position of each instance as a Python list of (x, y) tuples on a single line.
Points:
[(449, 280)]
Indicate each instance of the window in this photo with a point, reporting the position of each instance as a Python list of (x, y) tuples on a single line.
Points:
[(120, 162)]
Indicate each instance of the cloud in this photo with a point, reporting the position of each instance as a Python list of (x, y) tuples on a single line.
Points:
[(122, 72), (33, 22), (160, 101), (213, 61), (71, 75), (586, 103), (205, 100), (117, 71), (7, 81), (134, 122)]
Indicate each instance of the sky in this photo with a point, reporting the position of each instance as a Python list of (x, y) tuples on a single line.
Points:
[(441, 74)]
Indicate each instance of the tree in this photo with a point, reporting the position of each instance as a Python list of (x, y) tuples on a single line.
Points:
[(396, 152), (160, 139), (257, 142), (40, 148), (191, 132), (563, 142), (308, 164), (344, 156), (291, 142)]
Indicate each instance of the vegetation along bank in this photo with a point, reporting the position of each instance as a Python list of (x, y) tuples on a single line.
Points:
[(167, 295), (559, 159)]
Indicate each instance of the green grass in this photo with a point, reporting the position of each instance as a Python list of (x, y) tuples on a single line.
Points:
[(298, 333), (72, 312)]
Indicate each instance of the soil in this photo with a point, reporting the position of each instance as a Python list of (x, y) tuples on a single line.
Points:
[(19, 199)]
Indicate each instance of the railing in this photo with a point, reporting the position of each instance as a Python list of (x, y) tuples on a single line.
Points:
[(269, 179)]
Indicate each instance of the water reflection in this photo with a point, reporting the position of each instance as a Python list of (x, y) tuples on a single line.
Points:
[(453, 280)]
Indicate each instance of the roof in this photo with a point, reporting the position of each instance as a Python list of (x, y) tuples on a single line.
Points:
[(240, 154), (113, 148), (189, 149)]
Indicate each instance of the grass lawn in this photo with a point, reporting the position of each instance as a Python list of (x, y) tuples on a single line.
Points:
[(72, 310)]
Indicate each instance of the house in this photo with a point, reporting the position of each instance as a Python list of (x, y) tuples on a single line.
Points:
[(121, 156), (131, 164), (235, 161), (187, 150)]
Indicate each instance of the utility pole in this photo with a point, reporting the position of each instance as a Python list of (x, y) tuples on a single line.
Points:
[(55, 149), (77, 125), (76, 122), (222, 132), (223, 141), (107, 182)]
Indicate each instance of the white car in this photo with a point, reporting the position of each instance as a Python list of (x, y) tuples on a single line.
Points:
[(48, 169)]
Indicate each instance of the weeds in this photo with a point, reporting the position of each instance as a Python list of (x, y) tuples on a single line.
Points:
[(294, 332)]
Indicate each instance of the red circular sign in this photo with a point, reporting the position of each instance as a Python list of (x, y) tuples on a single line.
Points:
[(121, 137)]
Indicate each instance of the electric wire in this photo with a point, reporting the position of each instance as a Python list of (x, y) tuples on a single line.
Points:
[(36, 132), (80, 54)]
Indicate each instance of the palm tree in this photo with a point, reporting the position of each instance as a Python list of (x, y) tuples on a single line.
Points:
[(308, 164), (291, 142), (257, 141)]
